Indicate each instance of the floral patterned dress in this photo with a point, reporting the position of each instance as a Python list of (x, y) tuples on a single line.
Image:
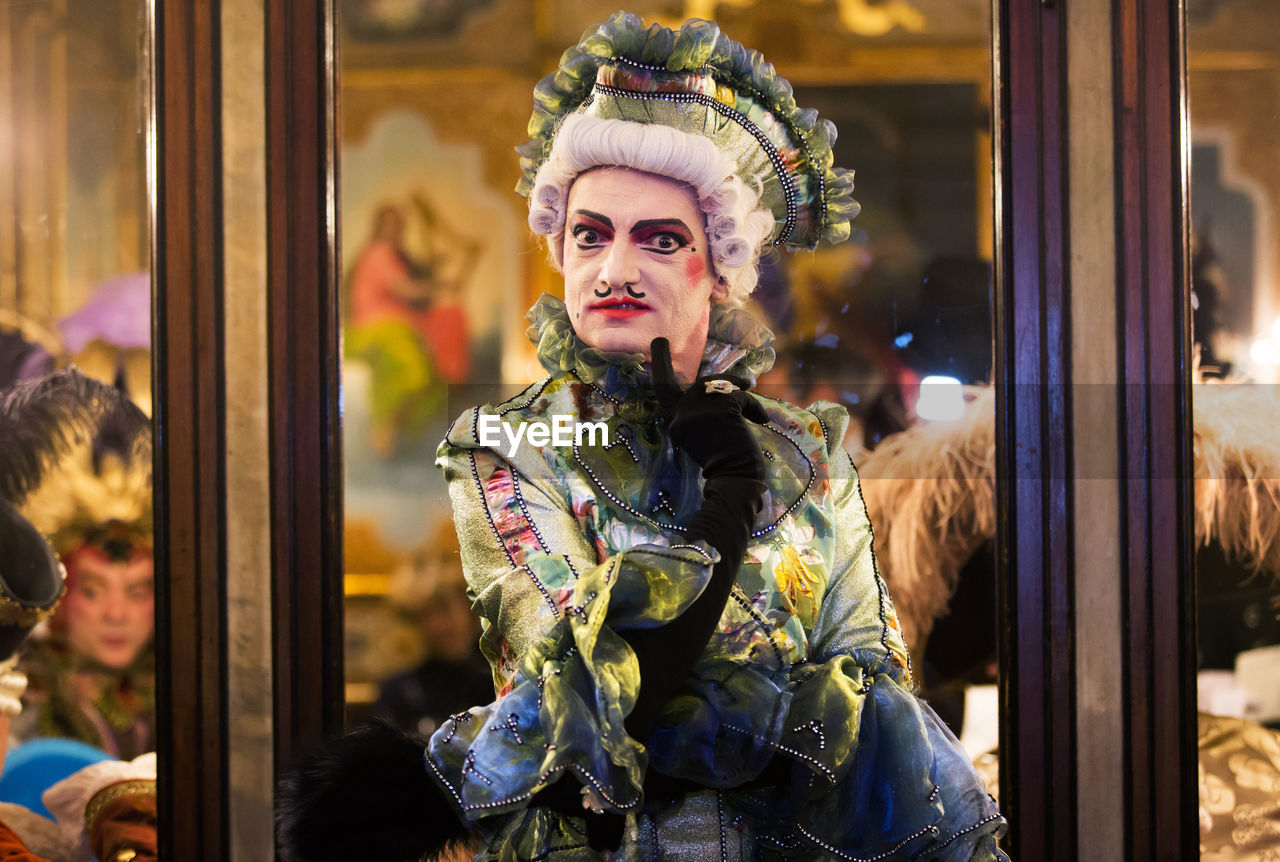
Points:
[(566, 546)]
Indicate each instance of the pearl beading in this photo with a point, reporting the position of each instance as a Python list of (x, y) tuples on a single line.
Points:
[(740, 596), (795, 134), (546, 596), (652, 68), (699, 550), (599, 391), (541, 384), (470, 767), (664, 503), (541, 682), (624, 439), (524, 510), (484, 504), (457, 718), (799, 755), (580, 611), (724, 851), (881, 590), (622, 504), (512, 724), (928, 830), (983, 822), (934, 794), (653, 522), (529, 794), (815, 727), (785, 179)]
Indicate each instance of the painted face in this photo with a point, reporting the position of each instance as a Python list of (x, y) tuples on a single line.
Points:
[(637, 265), (108, 613)]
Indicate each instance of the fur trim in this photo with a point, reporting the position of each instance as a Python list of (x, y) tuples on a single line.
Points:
[(930, 493), (1237, 472), (365, 795)]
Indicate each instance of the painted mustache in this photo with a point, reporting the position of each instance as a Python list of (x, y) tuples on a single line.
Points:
[(633, 293)]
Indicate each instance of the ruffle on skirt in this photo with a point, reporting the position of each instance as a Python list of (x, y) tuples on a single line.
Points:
[(878, 777)]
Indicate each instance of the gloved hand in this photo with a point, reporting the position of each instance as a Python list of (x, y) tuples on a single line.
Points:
[(710, 424), (706, 420)]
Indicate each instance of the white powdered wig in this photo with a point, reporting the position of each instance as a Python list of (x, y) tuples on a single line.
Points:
[(736, 226)]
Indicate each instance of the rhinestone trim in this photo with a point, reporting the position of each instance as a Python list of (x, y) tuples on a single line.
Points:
[(484, 504), (542, 385), (524, 509), (815, 726), (622, 504), (785, 178), (799, 755), (512, 724), (928, 830), (724, 851), (881, 590), (542, 782), (457, 718), (624, 439), (546, 596), (983, 822), (740, 596)]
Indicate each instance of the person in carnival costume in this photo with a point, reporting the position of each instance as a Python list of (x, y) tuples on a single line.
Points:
[(694, 653), (109, 808)]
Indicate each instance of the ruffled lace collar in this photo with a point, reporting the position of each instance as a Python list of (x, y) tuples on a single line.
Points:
[(737, 344)]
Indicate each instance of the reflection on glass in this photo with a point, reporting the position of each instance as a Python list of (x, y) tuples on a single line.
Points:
[(440, 268), (75, 290), (1235, 184)]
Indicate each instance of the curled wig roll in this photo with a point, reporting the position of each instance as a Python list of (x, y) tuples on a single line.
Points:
[(737, 226)]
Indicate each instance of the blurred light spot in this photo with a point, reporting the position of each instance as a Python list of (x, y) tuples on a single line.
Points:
[(1263, 351), (903, 340), (941, 399), (828, 340)]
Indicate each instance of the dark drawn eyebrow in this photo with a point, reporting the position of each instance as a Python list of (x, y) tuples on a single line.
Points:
[(660, 222), (603, 219)]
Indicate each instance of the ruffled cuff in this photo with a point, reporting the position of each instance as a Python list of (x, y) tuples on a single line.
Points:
[(576, 685), (872, 747), (876, 774)]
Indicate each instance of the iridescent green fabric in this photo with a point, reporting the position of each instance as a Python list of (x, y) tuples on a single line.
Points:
[(566, 547)]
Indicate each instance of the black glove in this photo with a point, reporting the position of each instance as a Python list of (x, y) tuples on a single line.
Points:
[(711, 426)]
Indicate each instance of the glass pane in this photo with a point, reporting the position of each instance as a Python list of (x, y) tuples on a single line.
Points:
[(893, 325), (1234, 72), (75, 289)]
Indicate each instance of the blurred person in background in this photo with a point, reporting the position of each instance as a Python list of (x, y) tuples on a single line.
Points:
[(430, 589)]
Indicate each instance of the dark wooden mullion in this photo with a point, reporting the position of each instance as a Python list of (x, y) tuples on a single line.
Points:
[(188, 397), (306, 454), (1032, 369), (1154, 305)]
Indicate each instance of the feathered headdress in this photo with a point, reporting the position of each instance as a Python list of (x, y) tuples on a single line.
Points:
[(76, 455), (43, 420)]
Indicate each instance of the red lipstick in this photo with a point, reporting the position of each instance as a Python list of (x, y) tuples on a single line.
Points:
[(619, 309)]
